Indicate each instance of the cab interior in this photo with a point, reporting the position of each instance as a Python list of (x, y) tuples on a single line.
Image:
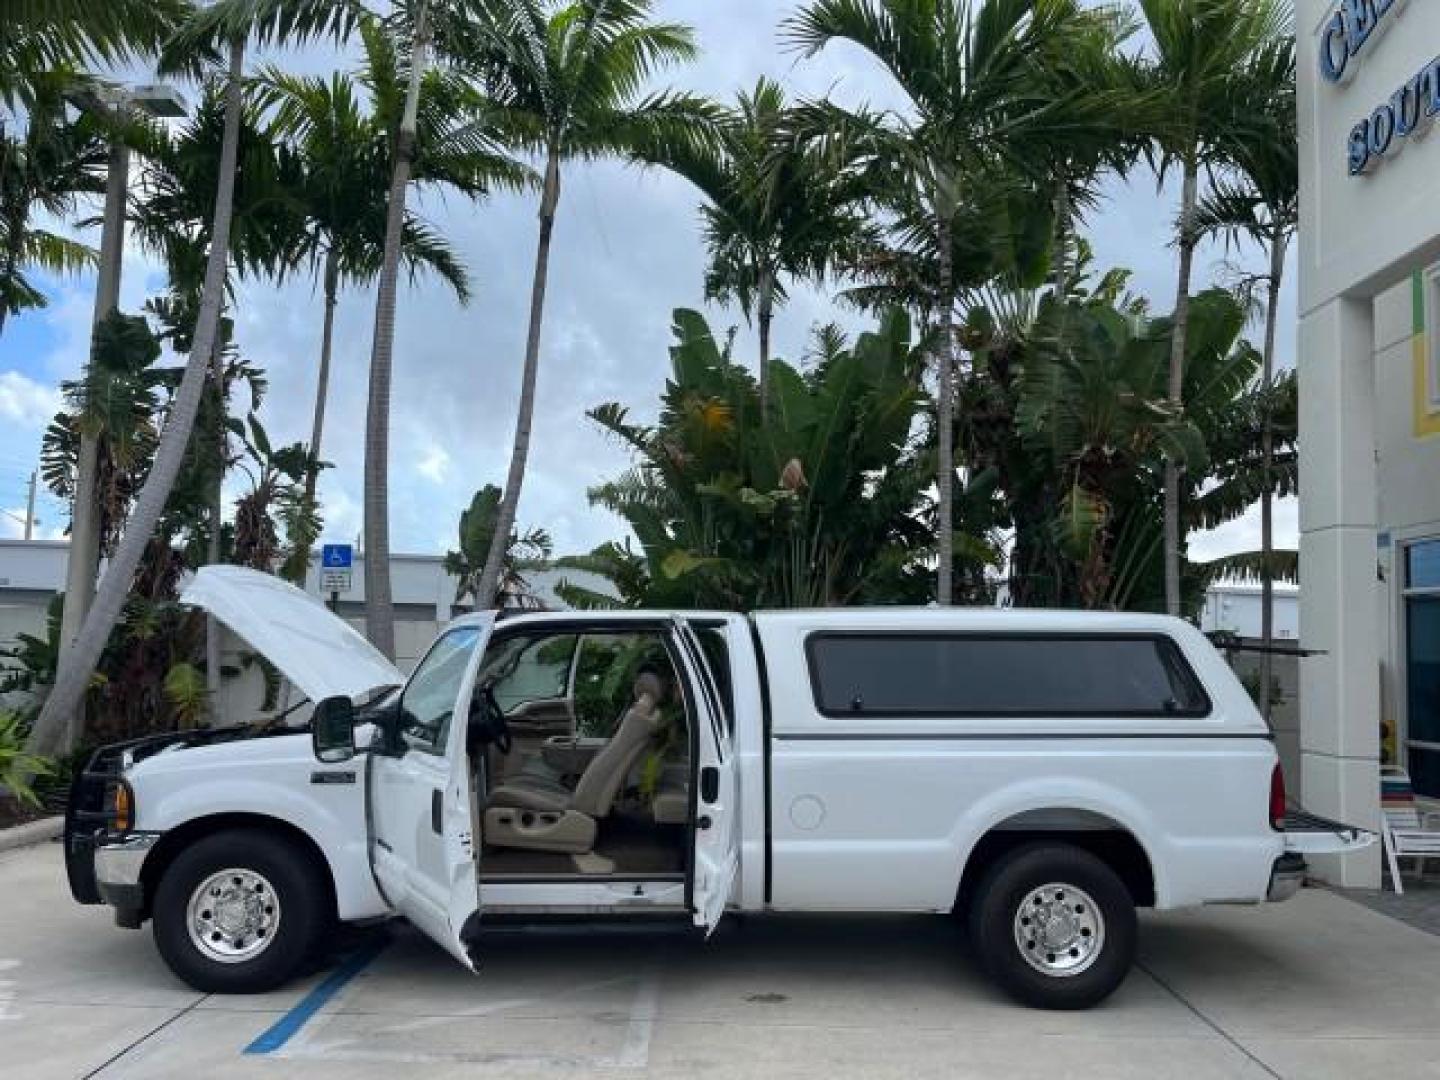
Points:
[(593, 777)]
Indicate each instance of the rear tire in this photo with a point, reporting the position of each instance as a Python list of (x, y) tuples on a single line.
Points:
[(1054, 926), (240, 911)]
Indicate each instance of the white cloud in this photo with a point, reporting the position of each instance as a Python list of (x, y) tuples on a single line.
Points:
[(1243, 533), (26, 402), (434, 465)]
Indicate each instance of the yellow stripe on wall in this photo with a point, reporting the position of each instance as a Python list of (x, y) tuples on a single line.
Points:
[(1427, 419)]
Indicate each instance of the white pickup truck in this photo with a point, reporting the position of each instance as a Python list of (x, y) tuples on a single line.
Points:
[(1040, 773)]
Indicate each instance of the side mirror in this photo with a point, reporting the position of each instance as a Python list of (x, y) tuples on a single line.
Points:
[(332, 730)]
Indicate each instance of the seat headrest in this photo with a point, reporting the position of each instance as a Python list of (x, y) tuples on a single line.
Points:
[(649, 685)]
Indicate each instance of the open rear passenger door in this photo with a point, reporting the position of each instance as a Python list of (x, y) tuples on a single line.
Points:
[(716, 825)]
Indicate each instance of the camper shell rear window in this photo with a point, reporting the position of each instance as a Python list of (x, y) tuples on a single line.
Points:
[(1033, 675)]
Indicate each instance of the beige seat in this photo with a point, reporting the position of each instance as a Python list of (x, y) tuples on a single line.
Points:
[(671, 804), (537, 812)]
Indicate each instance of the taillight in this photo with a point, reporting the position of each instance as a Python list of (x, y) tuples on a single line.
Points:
[(1277, 798)]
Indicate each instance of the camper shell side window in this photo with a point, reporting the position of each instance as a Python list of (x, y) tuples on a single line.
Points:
[(1030, 675)]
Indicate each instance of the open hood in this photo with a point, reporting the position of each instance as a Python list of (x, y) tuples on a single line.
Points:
[(313, 648)]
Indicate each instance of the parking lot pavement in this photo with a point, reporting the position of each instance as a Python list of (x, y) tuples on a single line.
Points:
[(1313, 988)]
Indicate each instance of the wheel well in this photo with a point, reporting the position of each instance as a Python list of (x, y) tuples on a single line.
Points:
[(1103, 837), (176, 840)]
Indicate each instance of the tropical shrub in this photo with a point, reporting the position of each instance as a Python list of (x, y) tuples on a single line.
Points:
[(18, 769), (825, 502)]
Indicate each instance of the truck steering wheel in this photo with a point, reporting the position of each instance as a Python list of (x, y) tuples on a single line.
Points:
[(487, 722)]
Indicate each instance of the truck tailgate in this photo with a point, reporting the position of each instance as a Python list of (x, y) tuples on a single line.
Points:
[(1311, 834)]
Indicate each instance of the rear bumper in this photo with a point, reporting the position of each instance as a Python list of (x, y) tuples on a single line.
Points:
[(1286, 877)]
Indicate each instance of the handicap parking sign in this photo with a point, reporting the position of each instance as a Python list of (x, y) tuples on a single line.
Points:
[(337, 556), (336, 561)]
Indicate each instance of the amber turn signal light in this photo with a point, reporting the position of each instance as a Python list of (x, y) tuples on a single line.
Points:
[(124, 816)]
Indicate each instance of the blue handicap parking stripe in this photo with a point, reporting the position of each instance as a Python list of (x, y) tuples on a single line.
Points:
[(281, 1032)]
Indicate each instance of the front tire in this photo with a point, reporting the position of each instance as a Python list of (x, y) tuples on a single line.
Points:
[(238, 912), (1054, 926)]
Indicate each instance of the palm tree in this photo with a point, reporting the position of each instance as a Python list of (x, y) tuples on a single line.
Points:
[(774, 210), (1262, 204), (228, 24), (179, 181), (379, 606), (346, 150), (526, 551), (43, 37), (1201, 48), (566, 80), (46, 168), (969, 71)]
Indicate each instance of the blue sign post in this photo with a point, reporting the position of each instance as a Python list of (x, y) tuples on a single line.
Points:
[(336, 563)]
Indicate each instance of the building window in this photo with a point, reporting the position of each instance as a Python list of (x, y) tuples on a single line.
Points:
[(1432, 326), (1422, 665), (1425, 353), (1002, 675)]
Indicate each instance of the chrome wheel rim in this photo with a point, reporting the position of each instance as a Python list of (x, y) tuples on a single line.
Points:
[(1059, 929), (233, 915)]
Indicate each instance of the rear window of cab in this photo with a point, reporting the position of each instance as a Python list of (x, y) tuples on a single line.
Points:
[(1067, 676)]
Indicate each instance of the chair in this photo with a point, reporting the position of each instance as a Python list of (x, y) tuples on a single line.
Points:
[(531, 810), (1406, 831)]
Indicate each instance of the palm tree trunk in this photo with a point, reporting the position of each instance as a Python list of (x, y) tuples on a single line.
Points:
[(212, 553), (1188, 198), (764, 316), (520, 451), (1267, 464), (945, 419), (49, 733), (1064, 215), (379, 608), (16, 228), (322, 381)]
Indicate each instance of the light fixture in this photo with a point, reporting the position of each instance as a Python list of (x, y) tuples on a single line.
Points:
[(158, 100)]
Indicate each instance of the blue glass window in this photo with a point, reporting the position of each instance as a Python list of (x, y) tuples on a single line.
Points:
[(1422, 663), (1422, 565)]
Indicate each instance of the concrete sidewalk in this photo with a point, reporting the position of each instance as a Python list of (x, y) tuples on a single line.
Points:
[(1318, 987)]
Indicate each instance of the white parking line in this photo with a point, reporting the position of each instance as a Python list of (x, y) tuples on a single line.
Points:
[(635, 1054)]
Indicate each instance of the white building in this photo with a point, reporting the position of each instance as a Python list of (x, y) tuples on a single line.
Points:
[(33, 571), (1236, 609), (1369, 365)]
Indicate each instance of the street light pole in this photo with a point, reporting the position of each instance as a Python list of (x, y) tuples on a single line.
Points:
[(30, 508)]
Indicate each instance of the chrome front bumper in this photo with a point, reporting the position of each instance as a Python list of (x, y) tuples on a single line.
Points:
[(118, 862)]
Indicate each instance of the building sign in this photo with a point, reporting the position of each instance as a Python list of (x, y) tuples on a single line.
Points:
[(1350, 31), (1353, 26), (1406, 115)]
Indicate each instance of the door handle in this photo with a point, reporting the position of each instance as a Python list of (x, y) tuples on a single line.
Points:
[(709, 784), (437, 810)]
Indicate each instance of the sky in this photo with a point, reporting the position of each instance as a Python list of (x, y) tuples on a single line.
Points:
[(627, 251)]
